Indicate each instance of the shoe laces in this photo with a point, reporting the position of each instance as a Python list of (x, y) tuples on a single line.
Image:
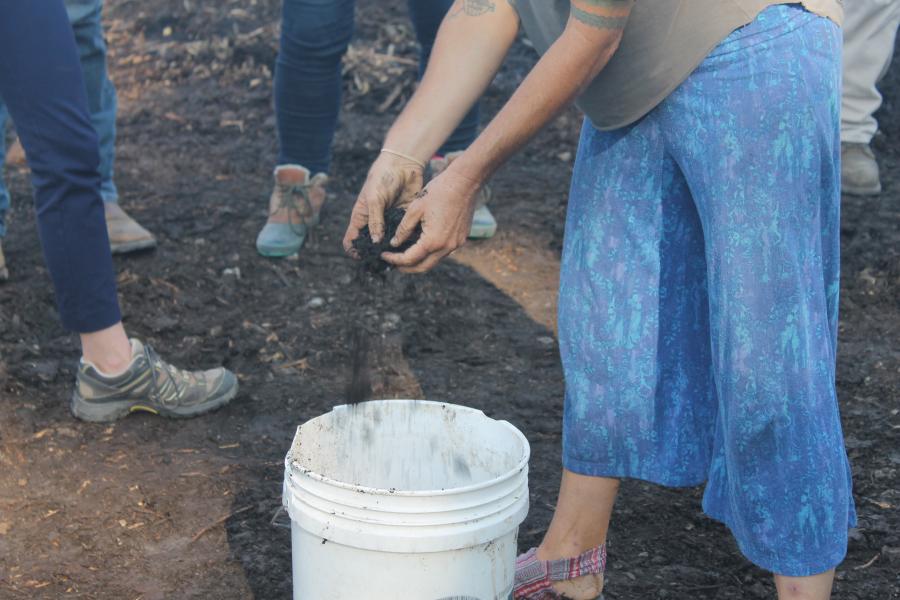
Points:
[(287, 200), (175, 377)]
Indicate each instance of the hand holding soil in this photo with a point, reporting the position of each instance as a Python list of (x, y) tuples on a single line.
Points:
[(444, 211), (393, 181), (369, 252)]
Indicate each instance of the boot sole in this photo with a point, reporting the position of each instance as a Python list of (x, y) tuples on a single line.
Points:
[(482, 233), (127, 247), (285, 251), (278, 251), (275, 252), (861, 191), (105, 412)]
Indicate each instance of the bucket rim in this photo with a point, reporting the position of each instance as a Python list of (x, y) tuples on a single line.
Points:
[(292, 467)]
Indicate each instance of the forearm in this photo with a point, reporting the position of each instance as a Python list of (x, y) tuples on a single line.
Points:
[(469, 49), (567, 67)]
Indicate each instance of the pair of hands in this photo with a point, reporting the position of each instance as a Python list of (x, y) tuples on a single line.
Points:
[(444, 208)]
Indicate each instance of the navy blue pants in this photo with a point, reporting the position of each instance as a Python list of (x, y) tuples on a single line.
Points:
[(42, 84), (314, 37)]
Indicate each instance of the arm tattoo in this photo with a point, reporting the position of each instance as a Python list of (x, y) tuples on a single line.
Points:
[(602, 14), (474, 8)]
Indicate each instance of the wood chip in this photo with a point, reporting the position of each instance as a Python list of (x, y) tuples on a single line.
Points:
[(218, 521), (868, 564)]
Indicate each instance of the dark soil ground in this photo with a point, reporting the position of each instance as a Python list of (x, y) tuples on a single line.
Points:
[(149, 509)]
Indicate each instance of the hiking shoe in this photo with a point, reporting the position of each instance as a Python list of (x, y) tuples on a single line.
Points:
[(859, 170), (295, 206), (4, 272), (484, 225), (125, 234), (151, 385)]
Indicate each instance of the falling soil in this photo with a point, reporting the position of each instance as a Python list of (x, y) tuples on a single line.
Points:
[(360, 387), (372, 271)]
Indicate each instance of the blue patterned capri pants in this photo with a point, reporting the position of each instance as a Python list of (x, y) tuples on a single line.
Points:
[(699, 294)]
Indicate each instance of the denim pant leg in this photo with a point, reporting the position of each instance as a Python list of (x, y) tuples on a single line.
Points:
[(314, 36), (85, 16), (426, 16), (40, 79), (4, 193)]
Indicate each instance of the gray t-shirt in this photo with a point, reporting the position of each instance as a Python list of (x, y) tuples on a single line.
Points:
[(663, 42)]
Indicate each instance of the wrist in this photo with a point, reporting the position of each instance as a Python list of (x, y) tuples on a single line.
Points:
[(393, 162), (405, 157), (470, 170), (465, 187), (406, 145)]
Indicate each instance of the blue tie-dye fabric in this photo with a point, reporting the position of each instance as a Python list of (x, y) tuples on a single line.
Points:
[(699, 294)]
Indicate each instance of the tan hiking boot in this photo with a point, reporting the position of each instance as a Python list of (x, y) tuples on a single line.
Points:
[(4, 272), (484, 225), (15, 154), (859, 170), (295, 206), (125, 234)]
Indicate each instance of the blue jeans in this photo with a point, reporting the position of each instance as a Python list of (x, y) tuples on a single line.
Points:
[(698, 303), (84, 16), (314, 36), (41, 81)]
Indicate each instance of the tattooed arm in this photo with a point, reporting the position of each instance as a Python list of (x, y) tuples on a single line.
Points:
[(589, 40), (469, 48), (591, 37), (470, 45)]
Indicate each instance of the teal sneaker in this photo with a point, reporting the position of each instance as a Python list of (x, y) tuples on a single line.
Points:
[(294, 207), (150, 385), (484, 225)]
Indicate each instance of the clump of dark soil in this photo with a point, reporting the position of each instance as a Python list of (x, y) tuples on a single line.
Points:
[(370, 252)]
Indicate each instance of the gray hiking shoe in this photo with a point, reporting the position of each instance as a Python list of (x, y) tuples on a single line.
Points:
[(859, 170), (151, 385)]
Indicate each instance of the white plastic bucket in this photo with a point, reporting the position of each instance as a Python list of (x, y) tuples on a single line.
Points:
[(405, 499)]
